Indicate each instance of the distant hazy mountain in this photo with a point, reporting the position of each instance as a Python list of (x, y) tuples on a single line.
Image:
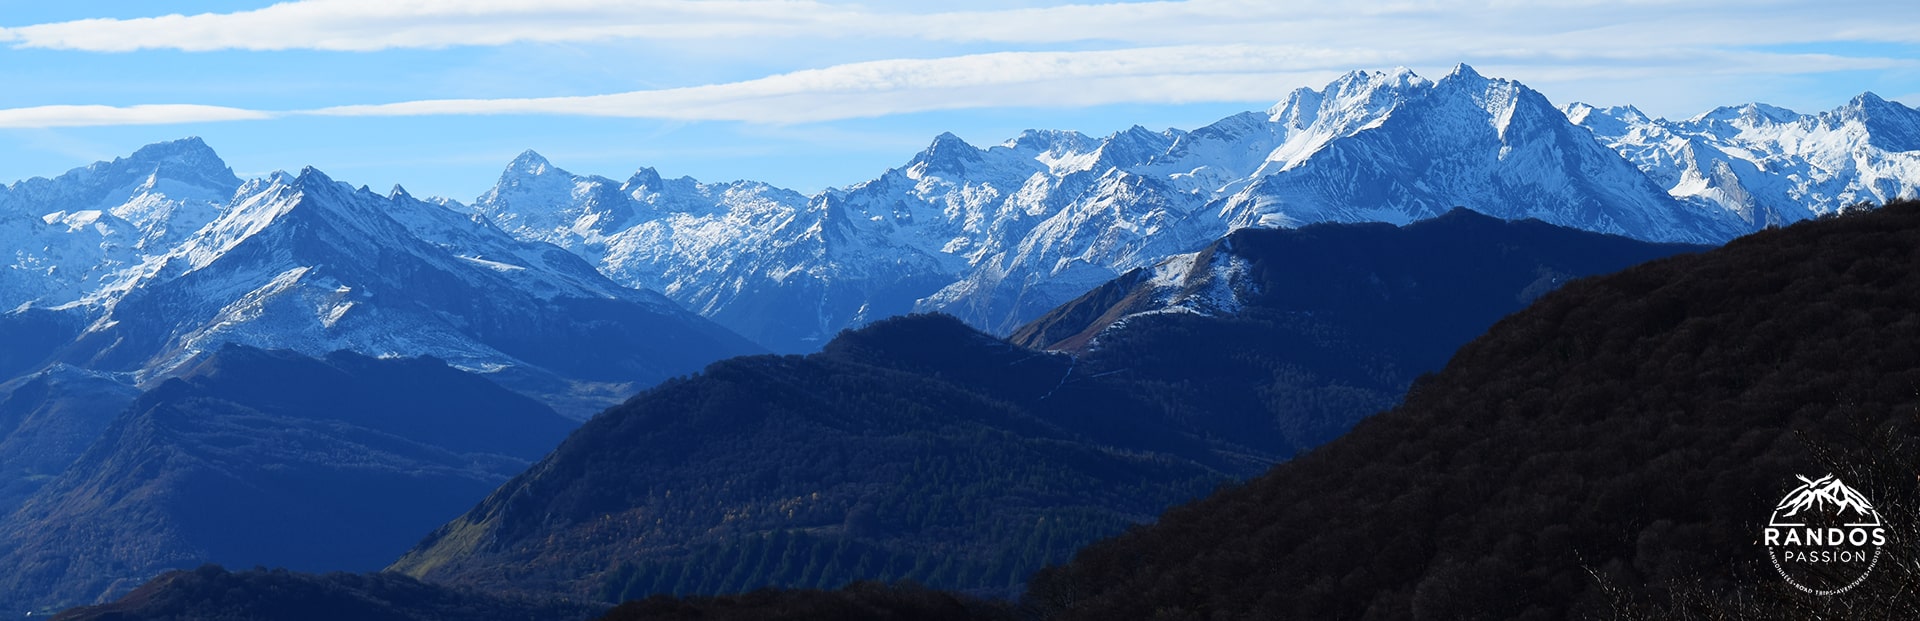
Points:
[(998, 236), (256, 457), (1429, 286)]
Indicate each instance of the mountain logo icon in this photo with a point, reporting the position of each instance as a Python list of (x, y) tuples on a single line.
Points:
[(1824, 537)]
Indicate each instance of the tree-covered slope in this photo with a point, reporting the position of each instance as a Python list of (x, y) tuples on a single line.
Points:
[(916, 448)]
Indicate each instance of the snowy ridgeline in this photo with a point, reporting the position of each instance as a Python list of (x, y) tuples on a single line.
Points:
[(996, 236)]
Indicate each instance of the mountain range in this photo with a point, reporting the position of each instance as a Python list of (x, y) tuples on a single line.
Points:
[(1770, 165), (999, 235), (996, 236)]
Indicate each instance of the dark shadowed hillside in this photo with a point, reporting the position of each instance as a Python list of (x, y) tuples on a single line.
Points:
[(269, 458), (1417, 291), (1613, 449), (916, 448), (1293, 335)]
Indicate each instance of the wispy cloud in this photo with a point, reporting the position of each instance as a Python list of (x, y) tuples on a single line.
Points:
[(368, 25), (1172, 75), (153, 114), (1154, 75), (1182, 74)]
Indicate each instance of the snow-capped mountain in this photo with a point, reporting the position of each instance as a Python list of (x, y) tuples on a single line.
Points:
[(1770, 165), (1393, 147), (999, 235), (67, 237), (305, 263), (767, 262)]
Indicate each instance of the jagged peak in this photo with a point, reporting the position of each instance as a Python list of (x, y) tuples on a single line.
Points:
[(187, 150), (1051, 140), (1298, 110), (1136, 135), (398, 193), (947, 153), (947, 140), (1580, 109), (187, 159), (1605, 121), (1368, 82), (1890, 125), (1464, 78), (645, 177), (1352, 100), (1870, 103), (310, 176), (1134, 145), (1749, 113), (530, 162)]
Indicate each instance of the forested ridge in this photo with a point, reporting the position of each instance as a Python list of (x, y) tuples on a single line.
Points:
[(915, 449)]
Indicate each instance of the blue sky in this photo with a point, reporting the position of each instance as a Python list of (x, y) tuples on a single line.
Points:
[(439, 94)]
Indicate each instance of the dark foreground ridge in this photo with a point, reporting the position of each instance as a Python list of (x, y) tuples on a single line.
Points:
[(1612, 451), (214, 594), (861, 601)]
